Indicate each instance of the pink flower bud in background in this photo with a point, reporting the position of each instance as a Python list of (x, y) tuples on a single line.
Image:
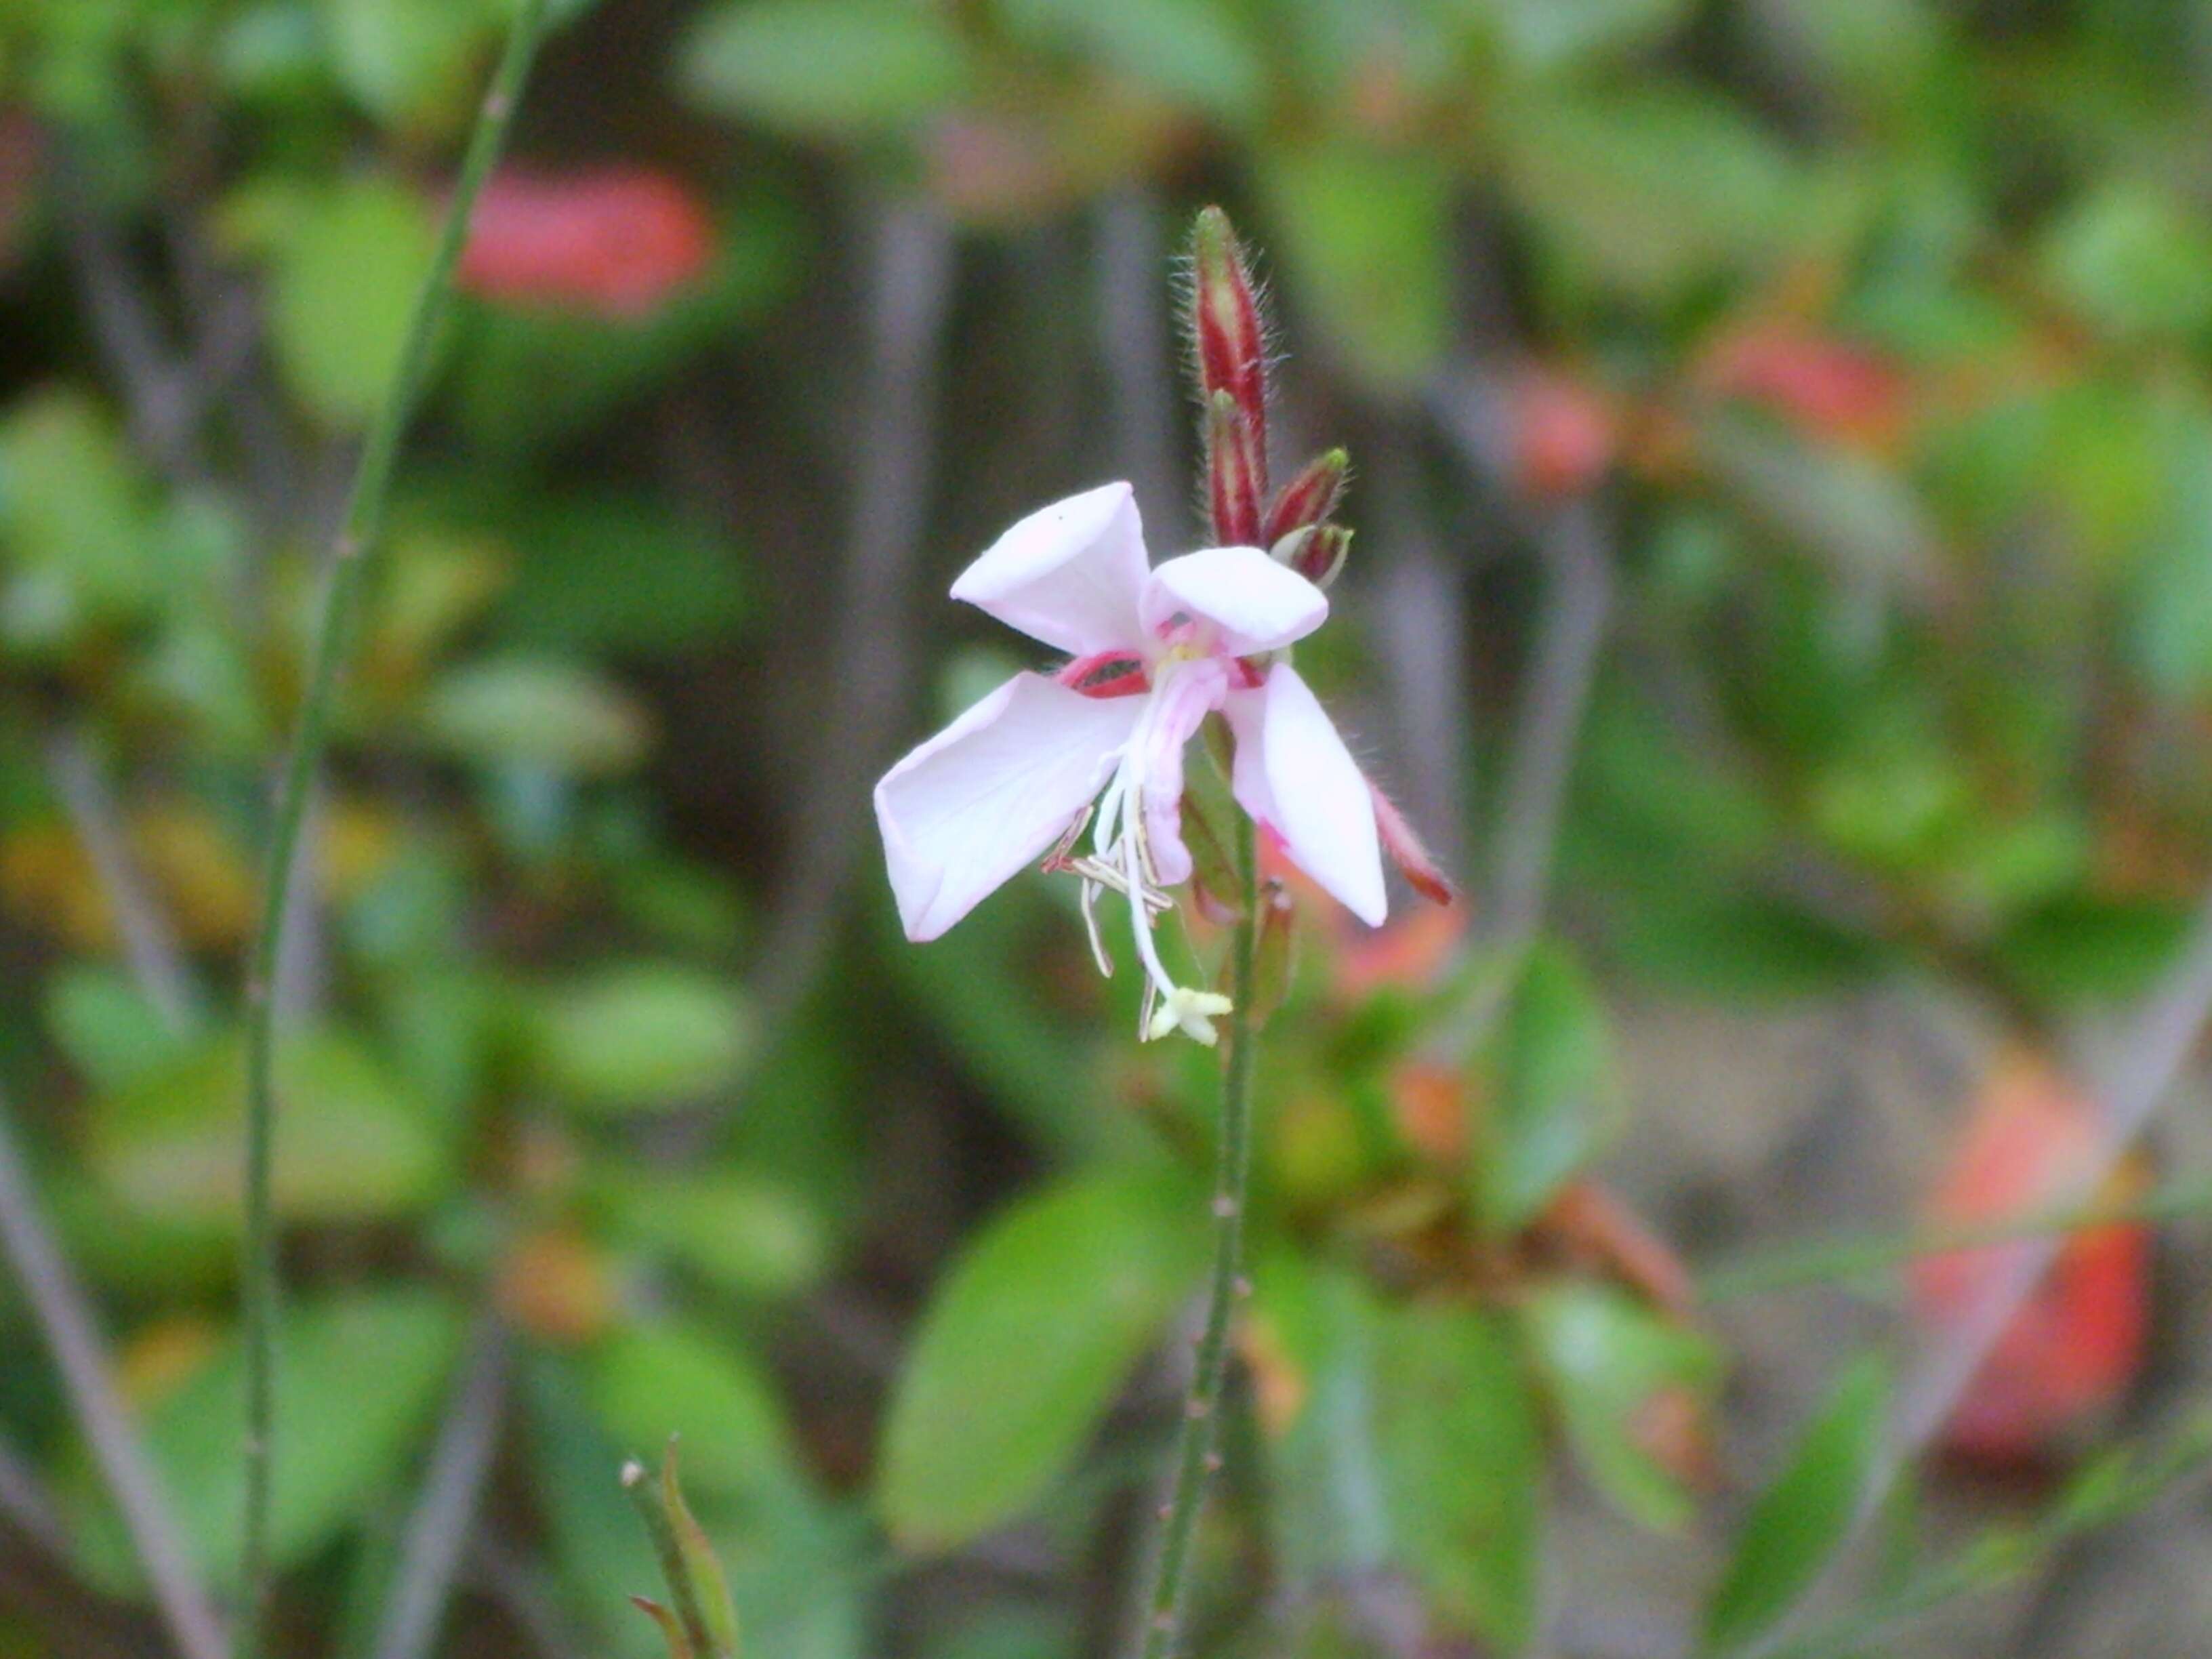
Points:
[(614, 241)]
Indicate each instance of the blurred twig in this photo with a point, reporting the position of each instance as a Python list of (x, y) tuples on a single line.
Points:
[(1572, 544), (520, 1591), (158, 387), (1133, 344), (149, 943), (1420, 610), (27, 1506), (362, 529), (64, 1317), (432, 1553), (909, 287)]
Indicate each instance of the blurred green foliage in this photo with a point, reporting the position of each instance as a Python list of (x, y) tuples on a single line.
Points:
[(1880, 327)]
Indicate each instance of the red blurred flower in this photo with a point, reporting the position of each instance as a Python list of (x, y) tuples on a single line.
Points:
[(1564, 434), (2077, 1343), (1831, 387), (614, 241)]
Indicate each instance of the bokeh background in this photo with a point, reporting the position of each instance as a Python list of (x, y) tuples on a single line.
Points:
[(1781, 596)]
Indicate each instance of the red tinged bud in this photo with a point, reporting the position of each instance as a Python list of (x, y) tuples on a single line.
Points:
[(1235, 477), (1228, 337), (1316, 552), (1408, 852), (1308, 499), (614, 242)]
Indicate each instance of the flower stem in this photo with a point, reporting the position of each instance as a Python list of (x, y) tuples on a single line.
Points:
[(358, 533), (1196, 1457)]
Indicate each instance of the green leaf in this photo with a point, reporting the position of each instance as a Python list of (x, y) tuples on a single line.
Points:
[(356, 1142), (1195, 51), (362, 1374), (110, 1031), (1608, 1358), (636, 1036), (77, 542), (650, 1381), (536, 712), (1025, 1343), (2085, 949), (1365, 240), (1547, 36), (1556, 1094), (1801, 1519), (823, 69), (1647, 192), (348, 271), (744, 1231), (408, 62), (1462, 1464), (2134, 260), (618, 572)]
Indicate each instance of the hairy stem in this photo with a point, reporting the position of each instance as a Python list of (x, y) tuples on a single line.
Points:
[(1195, 1457), (358, 533)]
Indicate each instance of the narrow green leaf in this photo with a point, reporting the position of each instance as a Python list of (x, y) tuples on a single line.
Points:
[(701, 1565), (1799, 1520), (671, 1630)]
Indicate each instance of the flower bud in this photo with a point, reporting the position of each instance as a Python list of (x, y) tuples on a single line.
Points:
[(1316, 552), (1274, 953), (1226, 333), (1235, 475), (1309, 498)]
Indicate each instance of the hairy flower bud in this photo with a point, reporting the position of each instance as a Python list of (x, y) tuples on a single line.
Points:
[(1316, 552), (1309, 498), (1227, 335), (1236, 477)]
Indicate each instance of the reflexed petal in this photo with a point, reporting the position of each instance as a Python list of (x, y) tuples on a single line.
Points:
[(1069, 575), (990, 791), (1257, 604), (1293, 773)]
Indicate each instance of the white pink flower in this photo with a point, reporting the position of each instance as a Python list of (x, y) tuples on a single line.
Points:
[(1153, 652)]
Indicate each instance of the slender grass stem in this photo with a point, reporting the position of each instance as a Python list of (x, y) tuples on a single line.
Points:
[(1195, 1457), (1857, 1258), (358, 533)]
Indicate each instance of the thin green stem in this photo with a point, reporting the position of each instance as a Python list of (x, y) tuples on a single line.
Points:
[(1855, 1258), (1195, 1457), (357, 536)]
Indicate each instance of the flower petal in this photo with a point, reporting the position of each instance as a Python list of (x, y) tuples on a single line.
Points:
[(990, 791), (1068, 574), (1257, 604), (1293, 773)]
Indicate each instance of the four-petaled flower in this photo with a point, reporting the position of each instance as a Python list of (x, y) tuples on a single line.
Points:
[(1153, 652)]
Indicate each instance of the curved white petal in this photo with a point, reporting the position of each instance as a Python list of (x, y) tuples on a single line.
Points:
[(1069, 575), (1293, 773), (1257, 604), (990, 791)]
